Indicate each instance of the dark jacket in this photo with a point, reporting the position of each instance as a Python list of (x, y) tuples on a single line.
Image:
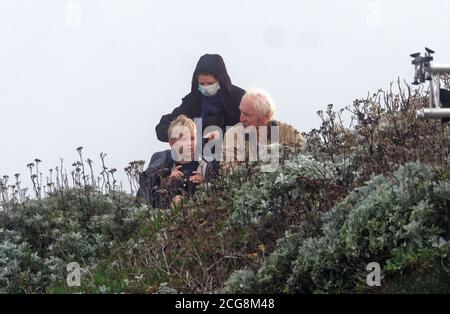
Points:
[(229, 95)]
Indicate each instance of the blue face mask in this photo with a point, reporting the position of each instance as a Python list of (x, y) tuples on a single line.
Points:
[(210, 90)]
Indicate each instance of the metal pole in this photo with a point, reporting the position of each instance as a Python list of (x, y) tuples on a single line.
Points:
[(436, 91), (433, 113), (440, 68)]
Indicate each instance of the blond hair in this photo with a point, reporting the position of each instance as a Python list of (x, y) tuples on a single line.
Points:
[(264, 104), (179, 127)]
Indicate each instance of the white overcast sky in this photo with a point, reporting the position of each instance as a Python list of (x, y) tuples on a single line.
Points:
[(100, 73)]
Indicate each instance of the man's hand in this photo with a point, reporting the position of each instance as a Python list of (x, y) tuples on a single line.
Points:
[(176, 173), (197, 177)]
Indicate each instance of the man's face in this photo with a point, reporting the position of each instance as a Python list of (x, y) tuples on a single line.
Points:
[(249, 115)]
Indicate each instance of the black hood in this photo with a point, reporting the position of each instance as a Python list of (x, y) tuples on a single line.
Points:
[(212, 64), (229, 95)]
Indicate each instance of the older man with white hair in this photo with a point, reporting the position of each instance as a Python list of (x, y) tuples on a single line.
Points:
[(257, 128)]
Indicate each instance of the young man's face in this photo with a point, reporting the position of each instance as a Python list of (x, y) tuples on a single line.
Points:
[(249, 115), (185, 146)]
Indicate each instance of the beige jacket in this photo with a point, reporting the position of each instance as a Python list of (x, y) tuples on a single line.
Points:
[(239, 147)]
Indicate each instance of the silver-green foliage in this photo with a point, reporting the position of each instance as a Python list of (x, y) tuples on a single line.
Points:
[(393, 221), (268, 191), (40, 237)]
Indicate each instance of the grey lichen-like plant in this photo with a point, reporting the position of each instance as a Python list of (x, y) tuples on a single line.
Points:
[(388, 220)]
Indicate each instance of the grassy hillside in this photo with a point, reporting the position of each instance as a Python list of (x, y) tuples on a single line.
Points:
[(373, 187)]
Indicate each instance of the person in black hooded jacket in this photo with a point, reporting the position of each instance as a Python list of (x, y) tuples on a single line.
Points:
[(213, 98)]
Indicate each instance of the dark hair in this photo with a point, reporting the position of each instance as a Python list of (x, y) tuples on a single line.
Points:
[(203, 72)]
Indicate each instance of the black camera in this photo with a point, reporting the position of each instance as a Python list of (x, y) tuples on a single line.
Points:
[(187, 170)]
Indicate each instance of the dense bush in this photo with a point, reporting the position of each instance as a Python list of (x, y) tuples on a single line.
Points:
[(40, 237), (269, 192), (400, 222)]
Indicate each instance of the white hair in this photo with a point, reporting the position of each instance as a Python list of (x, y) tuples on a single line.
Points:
[(262, 100)]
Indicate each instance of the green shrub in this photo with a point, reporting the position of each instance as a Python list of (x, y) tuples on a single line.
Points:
[(392, 221), (40, 237), (375, 191)]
